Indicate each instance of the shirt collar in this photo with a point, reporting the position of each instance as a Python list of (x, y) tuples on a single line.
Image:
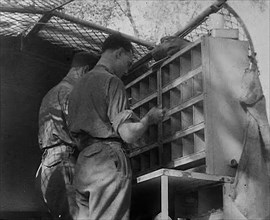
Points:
[(106, 68), (74, 74)]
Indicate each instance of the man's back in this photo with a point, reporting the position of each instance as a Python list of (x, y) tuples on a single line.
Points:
[(97, 106), (59, 151), (100, 121), (52, 129), (91, 110)]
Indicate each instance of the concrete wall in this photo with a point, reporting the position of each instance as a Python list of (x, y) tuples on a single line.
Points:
[(28, 70)]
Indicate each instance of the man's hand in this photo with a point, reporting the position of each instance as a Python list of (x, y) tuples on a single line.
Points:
[(155, 115), (131, 131)]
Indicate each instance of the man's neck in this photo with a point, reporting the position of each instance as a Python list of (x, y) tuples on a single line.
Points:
[(107, 61)]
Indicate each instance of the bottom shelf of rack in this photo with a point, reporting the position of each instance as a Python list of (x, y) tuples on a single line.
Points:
[(176, 193)]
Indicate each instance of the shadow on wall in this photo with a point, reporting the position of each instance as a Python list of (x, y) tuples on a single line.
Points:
[(25, 78)]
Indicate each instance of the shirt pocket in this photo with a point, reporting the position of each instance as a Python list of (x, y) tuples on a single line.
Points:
[(92, 150)]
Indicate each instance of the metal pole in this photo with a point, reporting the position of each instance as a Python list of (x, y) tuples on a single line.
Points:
[(103, 29), (199, 19), (188, 28), (76, 21), (4, 8)]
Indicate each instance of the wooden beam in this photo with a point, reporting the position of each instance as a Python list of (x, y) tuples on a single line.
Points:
[(181, 79), (103, 29), (39, 25), (139, 78), (25, 10), (142, 149), (143, 101), (44, 19), (87, 24), (185, 175), (164, 197), (192, 160), (182, 106), (185, 132)]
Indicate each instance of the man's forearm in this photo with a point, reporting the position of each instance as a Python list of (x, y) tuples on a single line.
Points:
[(132, 131)]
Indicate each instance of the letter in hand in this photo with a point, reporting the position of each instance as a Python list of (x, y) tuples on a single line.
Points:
[(155, 115)]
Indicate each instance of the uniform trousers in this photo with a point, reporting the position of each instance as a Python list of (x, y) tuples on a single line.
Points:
[(58, 166), (103, 182)]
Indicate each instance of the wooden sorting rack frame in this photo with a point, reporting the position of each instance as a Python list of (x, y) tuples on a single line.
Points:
[(205, 123), (176, 85)]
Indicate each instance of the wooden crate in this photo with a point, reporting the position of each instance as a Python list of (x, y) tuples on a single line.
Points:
[(205, 123)]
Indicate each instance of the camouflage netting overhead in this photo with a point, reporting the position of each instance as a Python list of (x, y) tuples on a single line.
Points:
[(25, 18), (43, 18)]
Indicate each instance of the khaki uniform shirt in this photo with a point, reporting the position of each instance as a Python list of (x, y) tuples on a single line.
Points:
[(53, 112), (98, 105)]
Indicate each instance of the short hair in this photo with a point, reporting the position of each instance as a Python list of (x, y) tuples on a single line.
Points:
[(116, 41), (82, 59)]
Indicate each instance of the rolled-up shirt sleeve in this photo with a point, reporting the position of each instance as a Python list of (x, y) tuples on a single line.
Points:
[(118, 109)]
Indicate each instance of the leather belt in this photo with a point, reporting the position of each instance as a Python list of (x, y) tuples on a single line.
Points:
[(85, 140), (58, 145)]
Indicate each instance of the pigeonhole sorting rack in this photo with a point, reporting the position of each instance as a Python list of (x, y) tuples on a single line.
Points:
[(204, 126)]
